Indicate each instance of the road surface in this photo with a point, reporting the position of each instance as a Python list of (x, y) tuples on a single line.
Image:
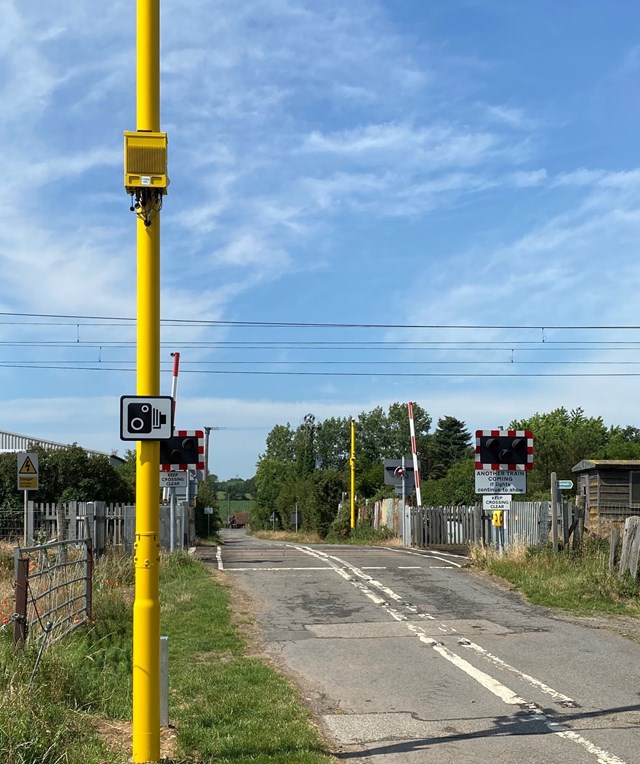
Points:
[(408, 657)]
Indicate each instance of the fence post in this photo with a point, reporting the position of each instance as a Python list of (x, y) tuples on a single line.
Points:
[(29, 533), (564, 508), (88, 591), (614, 540), (60, 522), (100, 535), (554, 511), (89, 517), (72, 528), (20, 616), (477, 523)]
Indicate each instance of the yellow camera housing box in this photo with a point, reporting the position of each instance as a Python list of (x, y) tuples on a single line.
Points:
[(145, 161)]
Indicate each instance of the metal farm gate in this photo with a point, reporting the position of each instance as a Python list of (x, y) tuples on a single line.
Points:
[(53, 589)]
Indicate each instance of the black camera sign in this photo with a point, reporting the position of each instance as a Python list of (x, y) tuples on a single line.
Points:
[(146, 418)]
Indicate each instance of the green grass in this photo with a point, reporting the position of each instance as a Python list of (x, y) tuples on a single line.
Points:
[(578, 582), (48, 715), (227, 707)]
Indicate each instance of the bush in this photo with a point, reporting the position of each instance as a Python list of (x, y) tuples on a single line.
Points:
[(341, 532), (340, 528)]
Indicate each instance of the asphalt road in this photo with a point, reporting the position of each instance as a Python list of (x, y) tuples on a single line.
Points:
[(408, 657)]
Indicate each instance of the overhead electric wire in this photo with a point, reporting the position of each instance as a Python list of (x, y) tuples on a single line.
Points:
[(573, 345), (167, 367), (74, 318), (255, 372)]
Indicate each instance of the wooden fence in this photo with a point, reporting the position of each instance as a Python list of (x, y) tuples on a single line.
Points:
[(629, 554)]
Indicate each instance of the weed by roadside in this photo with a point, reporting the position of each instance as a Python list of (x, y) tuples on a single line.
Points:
[(577, 581), (226, 706)]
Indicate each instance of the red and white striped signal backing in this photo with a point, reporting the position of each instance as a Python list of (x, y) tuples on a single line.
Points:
[(199, 434), (528, 465)]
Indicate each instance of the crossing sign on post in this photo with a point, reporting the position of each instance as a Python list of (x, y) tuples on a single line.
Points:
[(28, 472)]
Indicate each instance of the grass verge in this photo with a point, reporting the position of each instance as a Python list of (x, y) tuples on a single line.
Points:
[(228, 708), (576, 581), (75, 707)]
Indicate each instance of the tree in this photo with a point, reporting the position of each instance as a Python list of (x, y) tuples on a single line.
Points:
[(381, 435), (456, 488), (450, 443), (207, 497), (304, 446), (333, 443), (128, 470), (622, 443), (561, 439), (280, 444), (68, 474), (271, 476)]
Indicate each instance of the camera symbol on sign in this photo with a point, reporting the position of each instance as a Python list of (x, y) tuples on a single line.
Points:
[(143, 418)]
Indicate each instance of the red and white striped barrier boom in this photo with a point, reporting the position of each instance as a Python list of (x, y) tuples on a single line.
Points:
[(414, 451)]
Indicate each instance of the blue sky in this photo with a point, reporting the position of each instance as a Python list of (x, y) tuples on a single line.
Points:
[(463, 163)]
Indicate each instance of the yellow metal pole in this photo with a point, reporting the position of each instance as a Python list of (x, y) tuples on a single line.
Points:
[(352, 464), (146, 607)]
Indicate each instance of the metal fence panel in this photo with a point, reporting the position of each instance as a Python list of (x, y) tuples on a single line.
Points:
[(55, 581), (526, 523)]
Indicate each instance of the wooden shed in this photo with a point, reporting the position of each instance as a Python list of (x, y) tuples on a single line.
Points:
[(610, 487)]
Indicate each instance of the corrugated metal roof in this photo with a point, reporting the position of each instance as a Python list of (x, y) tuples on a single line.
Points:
[(612, 464), (14, 441)]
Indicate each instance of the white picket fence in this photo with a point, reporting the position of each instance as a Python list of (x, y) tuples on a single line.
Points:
[(108, 525)]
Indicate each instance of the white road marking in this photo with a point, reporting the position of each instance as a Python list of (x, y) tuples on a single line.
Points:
[(442, 559), (219, 558), (278, 569), (485, 680), (373, 567), (563, 699), (508, 696), (430, 555), (410, 567)]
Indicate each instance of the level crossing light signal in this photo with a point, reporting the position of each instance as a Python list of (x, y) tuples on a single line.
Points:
[(185, 449), (504, 450)]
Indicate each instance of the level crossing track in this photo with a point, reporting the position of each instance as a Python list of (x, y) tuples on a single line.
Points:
[(408, 656)]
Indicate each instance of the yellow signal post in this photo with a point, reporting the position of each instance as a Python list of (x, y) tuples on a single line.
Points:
[(146, 182), (352, 464)]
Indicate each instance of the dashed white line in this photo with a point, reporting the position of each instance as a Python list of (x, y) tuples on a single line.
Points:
[(316, 567)]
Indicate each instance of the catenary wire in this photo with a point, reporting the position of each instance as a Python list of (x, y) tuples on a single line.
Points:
[(262, 372), (322, 325)]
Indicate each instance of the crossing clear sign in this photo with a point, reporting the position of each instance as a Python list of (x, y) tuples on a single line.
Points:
[(173, 479), (28, 472), (496, 503)]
